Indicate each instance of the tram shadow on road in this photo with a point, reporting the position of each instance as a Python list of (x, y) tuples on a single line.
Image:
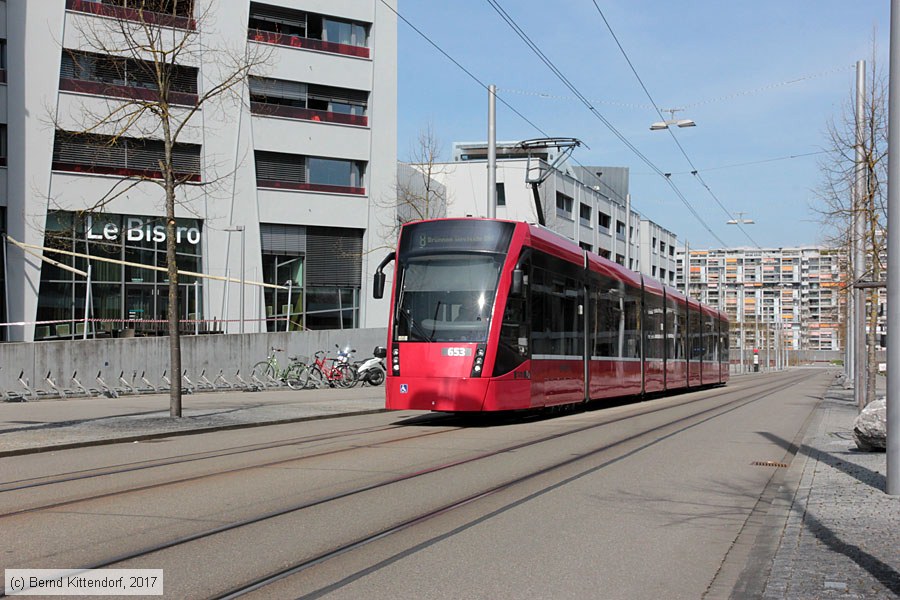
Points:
[(515, 417)]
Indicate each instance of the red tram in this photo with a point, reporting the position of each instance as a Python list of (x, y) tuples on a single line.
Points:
[(491, 315)]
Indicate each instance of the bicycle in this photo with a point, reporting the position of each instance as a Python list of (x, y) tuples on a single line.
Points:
[(289, 375), (339, 374)]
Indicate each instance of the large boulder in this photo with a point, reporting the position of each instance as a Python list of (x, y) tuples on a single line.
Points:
[(870, 427)]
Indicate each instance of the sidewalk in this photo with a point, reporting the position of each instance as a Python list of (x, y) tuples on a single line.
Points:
[(841, 535), (40, 425)]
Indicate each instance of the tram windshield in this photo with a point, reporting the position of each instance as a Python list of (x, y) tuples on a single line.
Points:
[(446, 297)]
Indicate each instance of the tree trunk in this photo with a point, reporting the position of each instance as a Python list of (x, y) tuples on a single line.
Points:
[(172, 270)]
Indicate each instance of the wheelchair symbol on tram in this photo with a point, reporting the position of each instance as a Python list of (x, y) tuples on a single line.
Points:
[(404, 388)]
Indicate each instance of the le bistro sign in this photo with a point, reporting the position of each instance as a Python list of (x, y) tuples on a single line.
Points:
[(138, 229)]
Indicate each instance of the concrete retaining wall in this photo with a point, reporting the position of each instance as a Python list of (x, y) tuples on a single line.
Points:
[(150, 355)]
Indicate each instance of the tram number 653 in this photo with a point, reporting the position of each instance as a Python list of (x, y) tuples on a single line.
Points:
[(456, 351)]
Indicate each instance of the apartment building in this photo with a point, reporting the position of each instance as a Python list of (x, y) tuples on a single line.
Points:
[(285, 169), (578, 203), (793, 291)]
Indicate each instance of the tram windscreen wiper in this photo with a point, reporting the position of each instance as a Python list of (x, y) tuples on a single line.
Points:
[(414, 327)]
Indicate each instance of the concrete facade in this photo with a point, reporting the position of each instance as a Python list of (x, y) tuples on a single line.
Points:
[(231, 133)]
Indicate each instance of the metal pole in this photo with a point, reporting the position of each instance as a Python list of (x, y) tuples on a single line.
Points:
[(492, 152), (287, 316), (859, 250), (196, 308), (893, 268), (243, 283), (87, 299), (628, 232), (741, 320), (226, 318), (6, 291)]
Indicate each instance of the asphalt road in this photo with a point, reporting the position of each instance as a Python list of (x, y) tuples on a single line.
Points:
[(646, 500)]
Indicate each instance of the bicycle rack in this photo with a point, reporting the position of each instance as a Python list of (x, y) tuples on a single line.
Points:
[(168, 385), (60, 393), (189, 388), (107, 391), (204, 383), (12, 395), (225, 385), (149, 385), (79, 388), (247, 386), (128, 387)]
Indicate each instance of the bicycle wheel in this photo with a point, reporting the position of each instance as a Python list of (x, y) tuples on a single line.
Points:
[(293, 374), (263, 369), (311, 377), (347, 376)]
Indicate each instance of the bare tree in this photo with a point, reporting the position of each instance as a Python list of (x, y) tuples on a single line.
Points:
[(147, 54), (419, 194), (840, 207)]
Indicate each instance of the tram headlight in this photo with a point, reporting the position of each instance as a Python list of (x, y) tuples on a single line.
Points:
[(478, 365), (395, 360)]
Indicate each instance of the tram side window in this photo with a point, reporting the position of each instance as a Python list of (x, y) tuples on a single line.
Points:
[(724, 343), (671, 320), (513, 348), (632, 323), (696, 335), (606, 313), (554, 314), (711, 339), (681, 334), (655, 327)]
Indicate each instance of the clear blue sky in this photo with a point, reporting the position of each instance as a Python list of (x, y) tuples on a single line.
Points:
[(728, 64)]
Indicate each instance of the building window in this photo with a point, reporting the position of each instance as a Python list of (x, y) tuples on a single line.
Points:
[(584, 212), (604, 253), (168, 13), (564, 205), (586, 246), (2, 61), (296, 100), (654, 243), (671, 250), (125, 157), (620, 229), (324, 265), (620, 258), (3, 144), (603, 220), (300, 29), (122, 296), (310, 173), (501, 194), (662, 247), (124, 77)]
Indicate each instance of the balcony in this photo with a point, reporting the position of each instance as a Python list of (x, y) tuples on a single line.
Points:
[(296, 41), (310, 187), (306, 114), (117, 11), (98, 88)]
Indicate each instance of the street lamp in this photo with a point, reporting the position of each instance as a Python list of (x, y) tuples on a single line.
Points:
[(740, 221), (672, 121)]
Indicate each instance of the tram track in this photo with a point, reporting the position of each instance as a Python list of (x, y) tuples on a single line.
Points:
[(130, 468), (708, 415), (207, 456), (757, 393)]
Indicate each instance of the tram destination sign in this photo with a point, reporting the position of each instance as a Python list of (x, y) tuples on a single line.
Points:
[(468, 235)]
